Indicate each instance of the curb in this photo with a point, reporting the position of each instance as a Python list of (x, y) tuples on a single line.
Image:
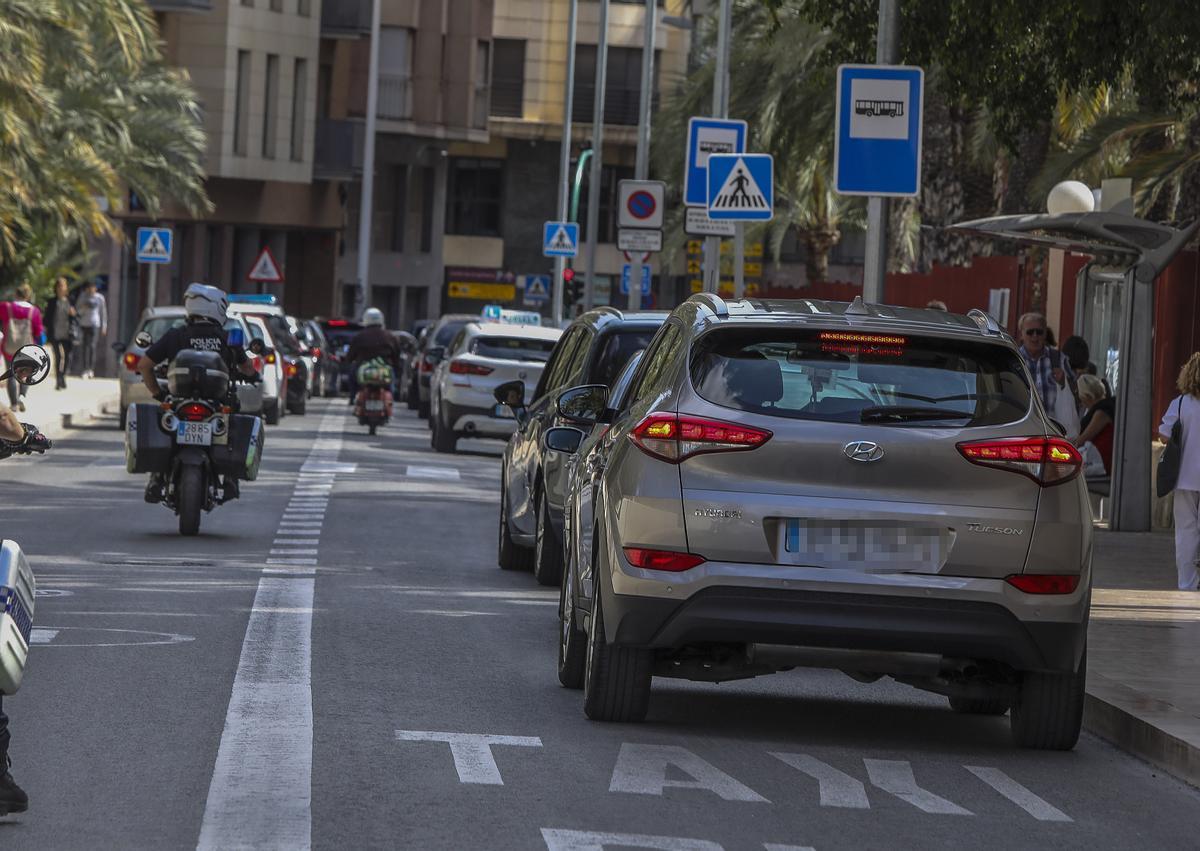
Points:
[(1151, 729), (81, 417)]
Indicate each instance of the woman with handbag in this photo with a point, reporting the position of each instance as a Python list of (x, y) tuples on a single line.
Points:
[(22, 325), (62, 326), (1179, 468)]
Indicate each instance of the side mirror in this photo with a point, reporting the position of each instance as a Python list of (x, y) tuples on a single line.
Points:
[(511, 394), (29, 366), (583, 404), (563, 439), (257, 347), (435, 354), (143, 340)]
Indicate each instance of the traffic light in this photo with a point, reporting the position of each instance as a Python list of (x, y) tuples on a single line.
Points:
[(571, 293)]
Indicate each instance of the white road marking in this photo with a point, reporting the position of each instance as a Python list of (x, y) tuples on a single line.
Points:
[(275, 560), (42, 636), (289, 571), (837, 788), (260, 795), (327, 467), (447, 613), (642, 770), (155, 637), (771, 846), (472, 752), (290, 551), (594, 840), (896, 777), (449, 474), (294, 540), (1018, 794)]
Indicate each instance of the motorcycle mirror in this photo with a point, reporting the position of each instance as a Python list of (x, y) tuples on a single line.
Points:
[(257, 347), (143, 340), (30, 365)]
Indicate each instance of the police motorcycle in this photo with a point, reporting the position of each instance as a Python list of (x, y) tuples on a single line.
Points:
[(194, 439), (30, 365)]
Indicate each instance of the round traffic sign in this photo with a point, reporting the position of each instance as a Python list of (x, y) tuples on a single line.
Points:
[(641, 204)]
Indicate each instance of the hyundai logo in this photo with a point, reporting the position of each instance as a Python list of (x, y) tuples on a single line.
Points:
[(863, 450)]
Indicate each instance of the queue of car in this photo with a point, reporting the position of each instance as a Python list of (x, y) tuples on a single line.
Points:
[(773, 484)]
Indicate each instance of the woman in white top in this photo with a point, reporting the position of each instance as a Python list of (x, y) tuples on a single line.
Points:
[(1186, 408)]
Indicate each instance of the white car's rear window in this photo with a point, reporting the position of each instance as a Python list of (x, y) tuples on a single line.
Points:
[(513, 348)]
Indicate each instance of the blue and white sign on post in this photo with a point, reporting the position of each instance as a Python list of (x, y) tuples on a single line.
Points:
[(154, 245), (741, 187), (627, 277), (537, 290), (877, 146), (706, 137), (560, 239)]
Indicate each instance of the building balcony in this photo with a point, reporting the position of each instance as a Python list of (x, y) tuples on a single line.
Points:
[(345, 18), (180, 5), (338, 149)]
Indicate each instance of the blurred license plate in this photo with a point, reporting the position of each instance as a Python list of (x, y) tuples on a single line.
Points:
[(503, 412), (864, 545), (374, 405), (194, 434)]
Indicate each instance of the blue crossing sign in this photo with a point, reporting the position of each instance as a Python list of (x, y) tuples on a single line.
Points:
[(560, 239), (627, 277), (877, 146), (154, 245), (741, 187), (706, 137), (537, 289)]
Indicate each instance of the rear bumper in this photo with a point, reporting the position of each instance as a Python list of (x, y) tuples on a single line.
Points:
[(472, 420), (952, 628)]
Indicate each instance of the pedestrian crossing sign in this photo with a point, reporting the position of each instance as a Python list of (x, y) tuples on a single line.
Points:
[(560, 239), (741, 187), (154, 245)]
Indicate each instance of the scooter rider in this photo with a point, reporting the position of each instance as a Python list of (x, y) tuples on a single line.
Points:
[(206, 308), (15, 439), (373, 341)]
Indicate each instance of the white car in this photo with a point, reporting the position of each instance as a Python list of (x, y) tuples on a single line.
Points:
[(482, 356), (273, 383)]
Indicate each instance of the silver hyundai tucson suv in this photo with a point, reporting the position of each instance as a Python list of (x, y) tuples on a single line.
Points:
[(806, 483)]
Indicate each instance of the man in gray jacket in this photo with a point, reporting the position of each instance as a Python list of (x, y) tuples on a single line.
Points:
[(92, 310)]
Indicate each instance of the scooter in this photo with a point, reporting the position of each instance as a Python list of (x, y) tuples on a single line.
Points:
[(373, 404)]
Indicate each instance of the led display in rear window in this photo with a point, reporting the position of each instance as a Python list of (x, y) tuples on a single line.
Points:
[(848, 376)]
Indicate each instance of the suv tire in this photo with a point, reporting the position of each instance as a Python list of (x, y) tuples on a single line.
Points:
[(616, 680), (572, 641), (1048, 711), (547, 551), (510, 555), (979, 705), (271, 413), (413, 394), (441, 438)]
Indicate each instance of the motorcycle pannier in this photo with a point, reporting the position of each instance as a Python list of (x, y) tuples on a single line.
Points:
[(17, 591), (147, 446), (241, 453), (196, 374), (375, 373)]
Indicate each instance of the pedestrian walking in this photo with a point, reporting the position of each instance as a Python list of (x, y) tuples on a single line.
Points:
[(22, 326), (92, 311), (1052, 374), (1185, 409), (1096, 425), (62, 327)]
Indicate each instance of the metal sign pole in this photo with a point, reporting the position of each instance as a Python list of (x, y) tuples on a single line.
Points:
[(366, 200), (739, 260), (151, 284), (642, 168), (875, 265), (712, 244), (564, 160), (593, 211)]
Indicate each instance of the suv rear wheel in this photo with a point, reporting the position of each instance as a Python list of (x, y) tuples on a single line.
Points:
[(441, 437), (547, 551), (511, 556), (1048, 711), (616, 680), (572, 641)]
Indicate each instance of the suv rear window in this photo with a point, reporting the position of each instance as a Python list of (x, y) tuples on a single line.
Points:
[(616, 349), (847, 376), (513, 348)]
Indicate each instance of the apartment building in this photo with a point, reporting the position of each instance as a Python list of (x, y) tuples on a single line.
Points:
[(500, 191)]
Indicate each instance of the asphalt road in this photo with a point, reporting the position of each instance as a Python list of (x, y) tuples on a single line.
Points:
[(337, 662)]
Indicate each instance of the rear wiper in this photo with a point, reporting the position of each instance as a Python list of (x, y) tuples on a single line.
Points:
[(902, 413)]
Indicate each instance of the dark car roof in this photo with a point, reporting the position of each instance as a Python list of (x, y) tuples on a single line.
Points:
[(605, 317)]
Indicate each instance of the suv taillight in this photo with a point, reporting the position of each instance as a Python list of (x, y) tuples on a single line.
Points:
[(662, 559), (1046, 460), (462, 367), (676, 437), (1044, 583)]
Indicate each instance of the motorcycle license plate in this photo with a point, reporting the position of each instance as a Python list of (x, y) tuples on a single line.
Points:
[(194, 434), (374, 405)]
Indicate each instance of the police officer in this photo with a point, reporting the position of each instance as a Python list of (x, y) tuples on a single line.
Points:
[(204, 330)]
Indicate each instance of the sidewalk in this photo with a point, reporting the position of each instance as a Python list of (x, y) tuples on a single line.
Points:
[(50, 409), (1144, 653)]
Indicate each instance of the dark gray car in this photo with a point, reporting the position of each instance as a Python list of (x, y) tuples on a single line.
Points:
[(870, 489), (594, 350)]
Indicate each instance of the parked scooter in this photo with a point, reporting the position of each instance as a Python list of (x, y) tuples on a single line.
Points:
[(194, 439), (373, 404)]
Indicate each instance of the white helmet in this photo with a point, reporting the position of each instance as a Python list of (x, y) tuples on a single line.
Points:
[(373, 316), (202, 301)]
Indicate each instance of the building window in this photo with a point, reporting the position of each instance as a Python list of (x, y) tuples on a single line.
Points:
[(391, 202), (474, 197), (271, 107), (241, 121), (508, 78), (622, 89), (428, 186), (324, 89), (395, 73), (299, 107), (483, 76)]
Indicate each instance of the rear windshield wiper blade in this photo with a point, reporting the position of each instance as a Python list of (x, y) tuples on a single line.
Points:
[(901, 413)]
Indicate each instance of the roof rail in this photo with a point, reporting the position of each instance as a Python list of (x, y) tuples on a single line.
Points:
[(985, 321), (608, 308), (713, 302)]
